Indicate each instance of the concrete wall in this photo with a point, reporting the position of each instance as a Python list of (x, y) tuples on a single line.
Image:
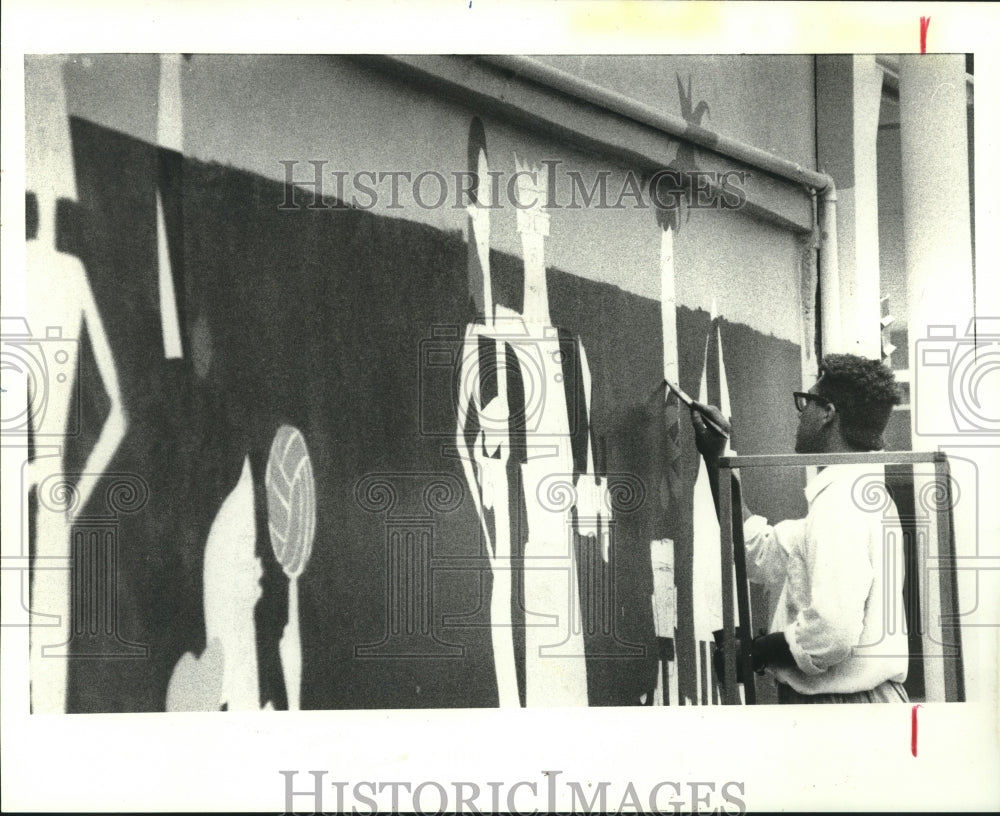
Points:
[(317, 318)]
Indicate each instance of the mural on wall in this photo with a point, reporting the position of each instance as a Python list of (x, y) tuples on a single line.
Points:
[(225, 676), (662, 550), (560, 570), (664, 598), (487, 460), (61, 310), (707, 552), (519, 406), (706, 609), (676, 185), (170, 241), (291, 521)]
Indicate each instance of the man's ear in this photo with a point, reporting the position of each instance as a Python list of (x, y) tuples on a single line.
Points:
[(830, 416)]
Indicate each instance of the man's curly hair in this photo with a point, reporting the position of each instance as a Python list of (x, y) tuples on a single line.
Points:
[(863, 392)]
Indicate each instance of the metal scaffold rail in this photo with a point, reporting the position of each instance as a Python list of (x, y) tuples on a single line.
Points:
[(736, 611)]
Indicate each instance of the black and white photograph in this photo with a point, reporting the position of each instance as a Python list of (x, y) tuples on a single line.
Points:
[(379, 409)]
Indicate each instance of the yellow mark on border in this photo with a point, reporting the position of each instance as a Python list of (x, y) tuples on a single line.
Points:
[(631, 18), (708, 26)]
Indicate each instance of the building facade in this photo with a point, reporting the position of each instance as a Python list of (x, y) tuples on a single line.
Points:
[(466, 375)]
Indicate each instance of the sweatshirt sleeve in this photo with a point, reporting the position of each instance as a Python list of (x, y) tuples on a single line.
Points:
[(767, 548), (840, 574)]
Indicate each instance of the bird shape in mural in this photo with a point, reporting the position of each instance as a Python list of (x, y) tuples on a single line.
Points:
[(684, 162), (685, 159)]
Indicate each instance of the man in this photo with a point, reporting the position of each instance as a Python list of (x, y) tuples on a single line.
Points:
[(839, 570)]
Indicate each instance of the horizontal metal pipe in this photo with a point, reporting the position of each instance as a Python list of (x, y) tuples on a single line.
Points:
[(822, 459), (676, 126)]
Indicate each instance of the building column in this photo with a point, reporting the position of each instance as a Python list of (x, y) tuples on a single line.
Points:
[(849, 93), (938, 256), (937, 235)]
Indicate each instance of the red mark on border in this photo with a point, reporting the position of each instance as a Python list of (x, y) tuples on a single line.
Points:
[(925, 23), (913, 730)]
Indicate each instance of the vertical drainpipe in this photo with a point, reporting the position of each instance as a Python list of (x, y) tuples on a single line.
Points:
[(829, 272), (809, 283)]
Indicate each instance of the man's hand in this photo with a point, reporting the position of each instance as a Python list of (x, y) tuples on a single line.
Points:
[(771, 650), (765, 650), (711, 444)]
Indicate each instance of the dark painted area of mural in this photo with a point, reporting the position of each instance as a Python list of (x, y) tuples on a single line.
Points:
[(324, 320)]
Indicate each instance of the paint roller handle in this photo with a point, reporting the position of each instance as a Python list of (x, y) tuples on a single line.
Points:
[(711, 416), (711, 430)]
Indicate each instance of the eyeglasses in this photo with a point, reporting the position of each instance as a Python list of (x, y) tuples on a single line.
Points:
[(803, 398)]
